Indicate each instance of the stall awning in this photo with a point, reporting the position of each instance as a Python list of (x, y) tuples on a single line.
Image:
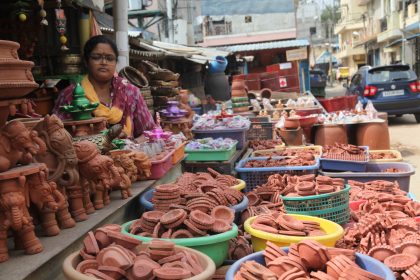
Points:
[(266, 46), (195, 54), (97, 5), (399, 41)]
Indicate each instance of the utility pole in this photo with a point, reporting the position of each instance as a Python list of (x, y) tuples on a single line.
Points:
[(403, 35), (120, 13), (170, 21)]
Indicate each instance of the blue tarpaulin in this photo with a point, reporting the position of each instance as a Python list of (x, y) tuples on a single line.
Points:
[(325, 58), (245, 7)]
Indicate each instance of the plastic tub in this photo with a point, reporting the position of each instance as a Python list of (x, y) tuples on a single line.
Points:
[(179, 154), (70, 264), (210, 155), (145, 201), (214, 246), (160, 167), (240, 186), (373, 172), (346, 165), (259, 238), (235, 134), (330, 206), (364, 261), (257, 176), (397, 154)]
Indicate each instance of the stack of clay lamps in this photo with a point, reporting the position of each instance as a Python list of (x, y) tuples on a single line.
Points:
[(381, 155), (257, 145), (108, 254), (220, 273), (383, 236), (344, 152), (372, 189), (205, 197), (305, 260), (191, 182), (307, 160), (286, 225), (240, 246), (181, 223), (292, 152)]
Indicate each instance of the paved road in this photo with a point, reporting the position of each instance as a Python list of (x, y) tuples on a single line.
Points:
[(405, 137)]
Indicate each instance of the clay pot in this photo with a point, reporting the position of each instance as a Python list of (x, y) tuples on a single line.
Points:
[(239, 93), (8, 50), (238, 85), (292, 137), (374, 135), (330, 134), (44, 105), (291, 123)]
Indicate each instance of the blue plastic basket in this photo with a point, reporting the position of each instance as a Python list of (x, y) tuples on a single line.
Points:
[(148, 205), (257, 176), (235, 134), (373, 172), (365, 262), (346, 165)]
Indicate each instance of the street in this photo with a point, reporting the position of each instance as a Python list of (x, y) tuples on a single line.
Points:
[(405, 137)]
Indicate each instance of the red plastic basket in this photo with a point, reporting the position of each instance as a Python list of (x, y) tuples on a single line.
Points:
[(161, 167), (334, 104), (351, 101)]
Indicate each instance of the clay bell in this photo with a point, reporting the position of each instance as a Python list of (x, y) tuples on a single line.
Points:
[(330, 135)]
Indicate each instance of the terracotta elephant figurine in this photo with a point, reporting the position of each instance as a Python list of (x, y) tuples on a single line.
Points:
[(97, 172), (127, 168), (143, 165), (14, 215), (50, 203), (62, 163), (18, 145)]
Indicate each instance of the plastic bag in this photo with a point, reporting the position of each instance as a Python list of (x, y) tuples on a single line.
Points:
[(267, 104), (256, 105), (371, 111), (280, 123), (359, 107)]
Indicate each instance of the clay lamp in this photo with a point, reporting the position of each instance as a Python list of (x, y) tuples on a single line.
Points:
[(181, 233), (80, 107), (272, 252), (320, 275), (258, 270), (411, 248), (153, 216), (322, 189), (86, 264), (101, 236), (290, 223), (116, 256), (113, 272), (305, 186), (171, 273), (123, 240), (381, 252), (85, 255), (312, 254), (97, 274), (141, 271), (220, 226), (201, 219), (291, 123), (223, 213), (333, 252), (173, 218), (90, 243), (253, 199)]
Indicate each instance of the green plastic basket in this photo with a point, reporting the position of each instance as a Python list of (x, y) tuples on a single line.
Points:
[(210, 155), (330, 206)]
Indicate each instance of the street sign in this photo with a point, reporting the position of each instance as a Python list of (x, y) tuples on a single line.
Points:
[(297, 54)]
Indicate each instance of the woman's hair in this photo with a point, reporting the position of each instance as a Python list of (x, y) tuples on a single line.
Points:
[(94, 41)]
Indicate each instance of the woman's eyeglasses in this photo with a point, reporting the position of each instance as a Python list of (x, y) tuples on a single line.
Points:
[(99, 57)]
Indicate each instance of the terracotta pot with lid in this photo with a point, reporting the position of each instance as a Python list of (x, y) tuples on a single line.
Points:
[(375, 135)]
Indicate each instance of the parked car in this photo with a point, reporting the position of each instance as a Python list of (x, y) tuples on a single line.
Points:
[(394, 89), (318, 80)]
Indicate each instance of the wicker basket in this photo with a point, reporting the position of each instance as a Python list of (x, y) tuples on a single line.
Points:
[(164, 75)]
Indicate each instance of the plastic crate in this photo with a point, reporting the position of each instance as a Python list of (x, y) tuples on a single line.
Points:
[(210, 155), (161, 167), (280, 148), (351, 101), (346, 165), (373, 172), (397, 154), (257, 176), (238, 134), (330, 206), (178, 154)]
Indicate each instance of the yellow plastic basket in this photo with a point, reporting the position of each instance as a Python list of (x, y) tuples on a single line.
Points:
[(239, 186), (259, 238), (397, 154)]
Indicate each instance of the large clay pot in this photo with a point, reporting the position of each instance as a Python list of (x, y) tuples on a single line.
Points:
[(330, 134), (238, 93), (238, 84), (292, 137), (374, 135), (291, 123), (8, 50)]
